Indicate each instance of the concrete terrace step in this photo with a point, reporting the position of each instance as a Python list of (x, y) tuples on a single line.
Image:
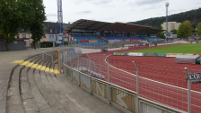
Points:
[(42, 104), (36, 90), (19, 96), (29, 102), (14, 102), (47, 91), (14, 99)]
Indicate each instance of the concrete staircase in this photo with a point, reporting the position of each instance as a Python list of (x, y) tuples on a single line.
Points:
[(34, 88)]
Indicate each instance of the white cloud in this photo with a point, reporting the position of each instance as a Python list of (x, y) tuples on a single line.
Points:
[(116, 10), (85, 12), (149, 2), (49, 15)]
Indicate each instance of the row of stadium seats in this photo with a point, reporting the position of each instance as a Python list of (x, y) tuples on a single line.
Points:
[(79, 37), (151, 39), (92, 44), (91, 37), (123, 38), (88, 40), (92, 40)]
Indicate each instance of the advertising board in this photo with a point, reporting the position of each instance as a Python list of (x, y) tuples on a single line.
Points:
[(135, 54), (195, 77)]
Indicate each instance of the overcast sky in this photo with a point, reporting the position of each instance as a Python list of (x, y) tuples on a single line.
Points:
[(116, 10)]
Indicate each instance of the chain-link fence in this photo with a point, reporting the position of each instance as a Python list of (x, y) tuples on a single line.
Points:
[(163, 84), (162, 80)]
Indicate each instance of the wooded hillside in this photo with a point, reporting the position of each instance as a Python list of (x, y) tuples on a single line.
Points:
[(194, 16)]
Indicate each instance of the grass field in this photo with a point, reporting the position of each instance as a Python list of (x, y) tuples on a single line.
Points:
[(180, 48)]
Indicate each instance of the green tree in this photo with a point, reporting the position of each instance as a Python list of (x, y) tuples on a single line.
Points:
[(180, 32), (26, 13), (14, 14), (199, 29), (36, 27), (9, 20), (185, 30), (174, 31), (161, 35)]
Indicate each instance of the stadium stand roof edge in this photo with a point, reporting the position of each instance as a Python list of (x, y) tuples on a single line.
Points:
[(88, 25), (135, 24), (83, 25)]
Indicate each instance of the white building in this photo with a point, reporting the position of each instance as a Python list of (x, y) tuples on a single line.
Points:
[(171, 26), (50, 29)]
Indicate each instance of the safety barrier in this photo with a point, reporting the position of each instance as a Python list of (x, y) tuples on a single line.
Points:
[(114, 94), (80, 70)]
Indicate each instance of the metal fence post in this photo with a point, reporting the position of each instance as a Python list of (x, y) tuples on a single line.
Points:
[(89, 63), (70, 60), (79, 67), (71, 67), (65, 61), (89, 68), (108, 69), (61, 59), (108, 80), (79, 70), (189, 90), (137, 87)]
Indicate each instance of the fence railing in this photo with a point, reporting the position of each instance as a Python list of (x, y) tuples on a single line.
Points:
[(156, 94)]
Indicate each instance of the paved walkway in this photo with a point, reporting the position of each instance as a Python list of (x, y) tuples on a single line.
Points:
[(69, 97)]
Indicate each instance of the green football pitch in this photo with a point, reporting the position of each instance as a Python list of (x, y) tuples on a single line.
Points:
[(179, 48)]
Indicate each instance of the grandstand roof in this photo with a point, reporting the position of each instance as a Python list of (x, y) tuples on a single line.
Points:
[(86, 25), (83, 25)]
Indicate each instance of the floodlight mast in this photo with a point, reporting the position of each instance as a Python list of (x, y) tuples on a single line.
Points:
[(167, 5), (60, 22)]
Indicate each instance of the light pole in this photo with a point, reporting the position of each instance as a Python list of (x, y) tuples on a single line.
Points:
[(167, 5)]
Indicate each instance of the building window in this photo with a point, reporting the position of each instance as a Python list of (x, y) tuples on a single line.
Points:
[(50, 30)]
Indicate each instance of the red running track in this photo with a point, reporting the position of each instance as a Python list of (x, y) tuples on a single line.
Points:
[(161, 79)]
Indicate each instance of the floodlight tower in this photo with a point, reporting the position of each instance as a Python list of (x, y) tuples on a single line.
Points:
[(167, 5), (60, 22), (60, 31)]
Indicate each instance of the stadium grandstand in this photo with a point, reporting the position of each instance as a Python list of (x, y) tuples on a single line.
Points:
[(96, 33)]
